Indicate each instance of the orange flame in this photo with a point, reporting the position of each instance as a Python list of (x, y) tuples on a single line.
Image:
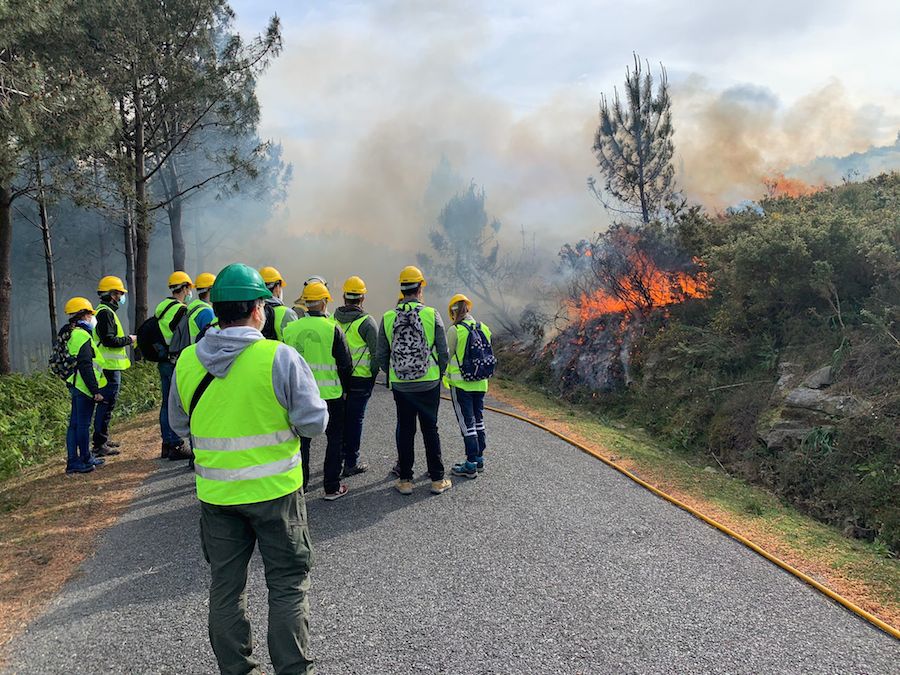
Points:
[(780, 185)]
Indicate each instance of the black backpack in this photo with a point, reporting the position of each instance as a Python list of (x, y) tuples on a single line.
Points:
[(61, 362), (478, 361), (268, 329), (150, 338)]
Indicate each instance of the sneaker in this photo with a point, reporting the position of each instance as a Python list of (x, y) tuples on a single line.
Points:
[(396, 470), (465, 469), (96, 461), (355, 470), (440, 486), (105, 450), (165, 450), (479, 463), (341, 491), (404, 487), (79, 468), (114, 444)]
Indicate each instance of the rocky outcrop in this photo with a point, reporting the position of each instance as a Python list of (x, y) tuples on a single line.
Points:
[(801, 403)]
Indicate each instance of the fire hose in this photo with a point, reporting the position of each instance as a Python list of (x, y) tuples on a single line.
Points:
[(847, 604)]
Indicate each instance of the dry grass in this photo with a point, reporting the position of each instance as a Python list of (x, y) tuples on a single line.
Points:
[(50, 522), (850, 567)]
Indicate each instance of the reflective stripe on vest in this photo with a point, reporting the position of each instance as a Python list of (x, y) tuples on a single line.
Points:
[(165, 318), (313, 337), (76, 341), (427, 315), (244, 448), (453, 376), (194, 310), (359, 350), (114, 358)]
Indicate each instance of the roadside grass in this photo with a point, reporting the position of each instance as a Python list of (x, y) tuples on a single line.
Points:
[(50, 522), (860, 571)]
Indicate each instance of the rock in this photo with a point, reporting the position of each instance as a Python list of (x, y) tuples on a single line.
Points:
[(788, 374), (819, 379), (786, 433), (834, 405), (709, 469)]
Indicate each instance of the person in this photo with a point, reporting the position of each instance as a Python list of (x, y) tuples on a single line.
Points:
[(85, 385), (299, 305), (362, 340), (169, 313), (244, 399), (112, 345), (467, 395), (320, 341), (277, 315), (421, 348), (200, 313)]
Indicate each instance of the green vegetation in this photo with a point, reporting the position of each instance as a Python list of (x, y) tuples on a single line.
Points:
[(34, 413), (773, 524)]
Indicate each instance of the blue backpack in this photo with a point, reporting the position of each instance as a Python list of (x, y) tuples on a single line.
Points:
[(478, 361)]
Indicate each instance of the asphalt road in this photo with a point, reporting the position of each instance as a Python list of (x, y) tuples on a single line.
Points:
[(550, 562)]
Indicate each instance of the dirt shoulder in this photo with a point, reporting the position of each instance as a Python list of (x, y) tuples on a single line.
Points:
[(855, 569), (50, 522)]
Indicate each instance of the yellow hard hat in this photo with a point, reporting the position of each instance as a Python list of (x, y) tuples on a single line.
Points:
[(354, 287), (205, 280), (459, 297), (271, 276), (315, 291), (77, 305), (111, 283), (411, 276), (179, 279)]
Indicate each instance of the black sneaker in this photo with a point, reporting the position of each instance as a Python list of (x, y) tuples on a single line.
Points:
[(360, 467), (396, 470), (79, 468), (165, 450), (177, 453)]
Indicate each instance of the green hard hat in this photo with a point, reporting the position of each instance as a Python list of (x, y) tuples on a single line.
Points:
[(238, 282)]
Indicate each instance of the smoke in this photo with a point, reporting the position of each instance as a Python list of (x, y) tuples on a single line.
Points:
[(729, 142)]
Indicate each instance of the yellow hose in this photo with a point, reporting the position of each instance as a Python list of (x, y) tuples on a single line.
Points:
[(859, 611)]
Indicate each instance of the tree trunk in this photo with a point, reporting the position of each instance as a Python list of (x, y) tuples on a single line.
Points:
[(48, 249), (6, 198), (142, 215), (178, 251), (128, 237)]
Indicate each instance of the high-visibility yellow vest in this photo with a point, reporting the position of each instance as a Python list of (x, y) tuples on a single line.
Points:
[(76, 340), (193, 310), (359, 350), (453, 376), (313, 337), (165, 316), (280, 311), (426, 314), (114, 358), (244, 448)]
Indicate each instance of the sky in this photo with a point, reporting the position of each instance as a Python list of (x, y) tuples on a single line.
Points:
[(369, 99)]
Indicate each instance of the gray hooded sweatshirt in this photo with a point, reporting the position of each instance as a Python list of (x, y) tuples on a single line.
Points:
[(293, 382)]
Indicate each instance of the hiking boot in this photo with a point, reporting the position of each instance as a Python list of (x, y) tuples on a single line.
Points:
[(177, 452), (465, 469), (341, 491), (440, 486), (73, 469), (105, 450), (404, 487), (355, 470), (114, 444), (396, 470), (479, 463)]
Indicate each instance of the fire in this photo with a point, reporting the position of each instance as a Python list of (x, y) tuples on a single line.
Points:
[(651, 288), (780, 185)]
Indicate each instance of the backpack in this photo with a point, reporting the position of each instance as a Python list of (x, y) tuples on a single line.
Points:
[(181, 337), (150, 339), (478, 361), (410, 352), (268, 329), (61, 362)]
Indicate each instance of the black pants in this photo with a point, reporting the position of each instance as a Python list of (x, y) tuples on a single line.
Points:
[(357, 400), (105, 408), (334, 435), (421, 405)]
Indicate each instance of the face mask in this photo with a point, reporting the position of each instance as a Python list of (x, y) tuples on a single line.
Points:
[(123, 301), (91, 322), (188, 297)]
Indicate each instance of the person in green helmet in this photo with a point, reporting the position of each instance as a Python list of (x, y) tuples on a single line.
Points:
[(245, 401)]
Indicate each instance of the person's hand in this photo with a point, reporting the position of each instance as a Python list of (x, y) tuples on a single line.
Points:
[(133, 338), (98, 398)]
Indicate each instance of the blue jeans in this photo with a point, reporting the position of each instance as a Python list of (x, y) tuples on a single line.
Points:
[(105, 407), (355, 413), (166, 370), (78, 435), (469, 409)]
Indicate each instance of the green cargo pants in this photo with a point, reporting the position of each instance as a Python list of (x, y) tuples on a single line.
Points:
[(228, 535)]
